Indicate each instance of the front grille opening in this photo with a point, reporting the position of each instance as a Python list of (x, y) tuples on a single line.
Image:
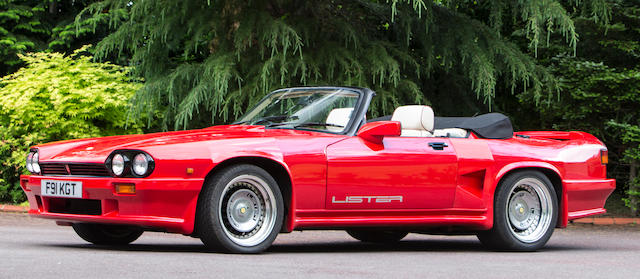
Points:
[(74, 169), (88, 170), (54, 169), (75, 206)]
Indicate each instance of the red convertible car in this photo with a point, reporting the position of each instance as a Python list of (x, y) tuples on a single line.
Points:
[(307, 158)]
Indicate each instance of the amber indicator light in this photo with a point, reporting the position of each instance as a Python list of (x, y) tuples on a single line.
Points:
[(127, 188), (604, 156)]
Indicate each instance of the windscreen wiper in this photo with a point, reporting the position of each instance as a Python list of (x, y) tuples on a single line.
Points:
[(271, 125), (274, 118)]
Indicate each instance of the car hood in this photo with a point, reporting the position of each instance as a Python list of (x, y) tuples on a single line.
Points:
[(96, 150)]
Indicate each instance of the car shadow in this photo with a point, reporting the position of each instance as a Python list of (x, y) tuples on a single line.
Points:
[(359, 247), (462, 245), (191, 248), (440, 245)]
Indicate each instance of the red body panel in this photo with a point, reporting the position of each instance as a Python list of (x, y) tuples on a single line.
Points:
[(336, 180), (406, 169)]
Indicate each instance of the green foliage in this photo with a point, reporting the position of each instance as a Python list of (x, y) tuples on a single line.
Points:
[(21, 30), (56, 97), (207, 61), (37, 25), (630, 135), (633, 195), (71, 30), (593, 94)]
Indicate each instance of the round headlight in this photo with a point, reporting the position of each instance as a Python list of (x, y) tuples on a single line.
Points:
[(34, 163), (29, 161), (117, 164), (140, 164)]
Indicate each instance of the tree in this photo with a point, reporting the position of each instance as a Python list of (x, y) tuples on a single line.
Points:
[(631, 137), (38, 25), (205, 61), (56, 97), (21, 30)]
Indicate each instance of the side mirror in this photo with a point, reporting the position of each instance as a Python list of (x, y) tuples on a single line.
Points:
[(374, 132)]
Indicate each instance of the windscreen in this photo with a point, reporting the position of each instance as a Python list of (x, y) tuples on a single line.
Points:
[(328, 110)]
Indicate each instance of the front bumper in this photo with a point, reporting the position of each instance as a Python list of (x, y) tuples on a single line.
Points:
[(166, 204)]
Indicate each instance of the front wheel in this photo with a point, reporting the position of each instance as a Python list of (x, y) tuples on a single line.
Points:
[(525, 213), (240, 211), (377, 236), (107, 234)]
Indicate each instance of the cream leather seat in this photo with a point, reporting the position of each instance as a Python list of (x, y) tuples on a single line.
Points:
[(339, 116), (416, 120)]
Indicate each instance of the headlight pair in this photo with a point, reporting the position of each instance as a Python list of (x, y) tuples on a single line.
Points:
[(33, 159), (123, 163)]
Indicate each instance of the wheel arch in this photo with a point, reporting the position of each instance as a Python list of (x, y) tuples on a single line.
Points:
[(552, 174), (276, 169)]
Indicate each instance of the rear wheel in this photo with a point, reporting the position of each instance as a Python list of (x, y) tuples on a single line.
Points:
[(107, 234), (525, 213), (377, 236), (240, 211)]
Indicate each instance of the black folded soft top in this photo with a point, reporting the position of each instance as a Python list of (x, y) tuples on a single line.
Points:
[(491, 125)]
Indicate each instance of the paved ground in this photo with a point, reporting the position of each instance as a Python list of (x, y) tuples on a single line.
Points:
[(37, 248)]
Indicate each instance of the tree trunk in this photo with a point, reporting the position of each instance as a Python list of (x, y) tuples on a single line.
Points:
[(633, 188), (53, 7)]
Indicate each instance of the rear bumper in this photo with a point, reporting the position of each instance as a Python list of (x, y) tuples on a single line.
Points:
[(586, 197), (158, 204)]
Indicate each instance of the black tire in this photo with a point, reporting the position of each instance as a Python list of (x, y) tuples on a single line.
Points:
[(377, 236), (256, 196), (107, 234), (513, 228)]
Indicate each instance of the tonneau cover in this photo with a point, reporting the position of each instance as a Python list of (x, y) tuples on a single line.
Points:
[(491, 125)]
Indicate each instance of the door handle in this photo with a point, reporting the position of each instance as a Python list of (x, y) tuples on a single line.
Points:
[(438, 145)]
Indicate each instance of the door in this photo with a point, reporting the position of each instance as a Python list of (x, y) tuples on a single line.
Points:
[(406, 173)]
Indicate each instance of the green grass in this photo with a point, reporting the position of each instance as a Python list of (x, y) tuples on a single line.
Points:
[(24, 203)]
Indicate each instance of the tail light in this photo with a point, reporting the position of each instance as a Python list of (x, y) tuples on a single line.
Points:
[(604, 156)]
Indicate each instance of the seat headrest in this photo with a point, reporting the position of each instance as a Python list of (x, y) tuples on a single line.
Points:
[(339, 116), (414, 117)]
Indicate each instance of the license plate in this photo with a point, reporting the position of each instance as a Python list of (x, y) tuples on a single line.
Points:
[(59, 188)]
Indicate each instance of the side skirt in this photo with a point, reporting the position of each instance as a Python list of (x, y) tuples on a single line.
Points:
[(472, 219)]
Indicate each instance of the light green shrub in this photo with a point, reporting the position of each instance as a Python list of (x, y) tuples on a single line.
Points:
[(56, 97)]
